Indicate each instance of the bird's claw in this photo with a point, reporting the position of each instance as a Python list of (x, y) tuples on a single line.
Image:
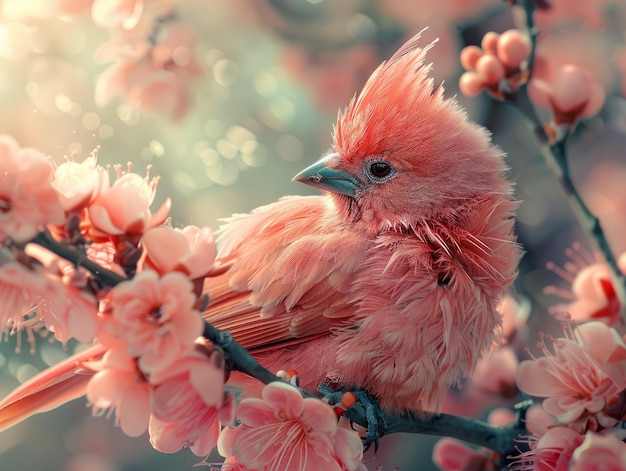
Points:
[(368, 408)]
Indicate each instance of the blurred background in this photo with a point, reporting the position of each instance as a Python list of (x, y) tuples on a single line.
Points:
[(274, 74)]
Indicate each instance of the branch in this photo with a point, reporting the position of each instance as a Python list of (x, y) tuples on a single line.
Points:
[(78, 258), (555, 155), (499, 439)]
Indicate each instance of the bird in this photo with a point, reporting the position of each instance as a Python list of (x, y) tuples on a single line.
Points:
[(388, 280)]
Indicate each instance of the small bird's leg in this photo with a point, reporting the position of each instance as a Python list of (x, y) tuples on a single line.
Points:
[(374, 415)]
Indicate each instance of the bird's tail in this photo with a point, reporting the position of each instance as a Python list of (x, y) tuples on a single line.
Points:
[(49, 389)]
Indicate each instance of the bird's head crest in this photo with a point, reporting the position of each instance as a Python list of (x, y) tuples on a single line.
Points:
[(390, 104)]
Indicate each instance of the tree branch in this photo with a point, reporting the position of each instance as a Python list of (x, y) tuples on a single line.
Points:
[(78, 258), (554, 153)]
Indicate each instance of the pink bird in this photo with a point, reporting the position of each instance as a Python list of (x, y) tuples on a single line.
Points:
[(388, 281)]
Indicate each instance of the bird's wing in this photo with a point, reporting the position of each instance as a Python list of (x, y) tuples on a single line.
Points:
[(49, 389), (290, 269)]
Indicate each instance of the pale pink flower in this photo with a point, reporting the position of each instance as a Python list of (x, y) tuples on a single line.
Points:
[(450, 454), (582, 379), (190, 250), (124, 208), (72, 312), (592, 295), (27, 200), (283, 430), (78, 184), (553, 451), (119, 387), (160, 80), (514, 315), (570, 75), (496, 371), (599, 452), (20, 289), (156, 317), (572, 94), (189, 403), (29, 298)]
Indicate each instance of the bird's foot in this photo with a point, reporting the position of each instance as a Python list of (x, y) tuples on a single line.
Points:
[(358, 403)]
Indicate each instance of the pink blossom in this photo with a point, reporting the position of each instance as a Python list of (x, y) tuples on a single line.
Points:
[(452, 455), (592, 296), (188, 403), (495, 372), (156, 317), (571, 73), (119, 387), (124, 208), (283, 430), (553, 451), (599, 452), (190, 250), (29, 298), (159, 80), (514, 315), (27, 200), (78, 184), (582, 379), (572, 94)]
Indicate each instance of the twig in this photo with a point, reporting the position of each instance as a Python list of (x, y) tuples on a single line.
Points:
[(555, 155), (78, 258)]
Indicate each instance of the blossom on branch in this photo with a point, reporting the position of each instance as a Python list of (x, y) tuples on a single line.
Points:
[(571, 93), (583, 377), (600, 452), (592, 295), (119, 387), (124, 208), (190, 250), (159, 77), (155, 317), (283, 430), (188, 402), (30, 298), (78, 184), (27, 199)]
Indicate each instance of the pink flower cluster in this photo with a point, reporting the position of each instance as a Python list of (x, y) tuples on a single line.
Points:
[(283, 430), (75, 204), (154, 65), (583, 379)]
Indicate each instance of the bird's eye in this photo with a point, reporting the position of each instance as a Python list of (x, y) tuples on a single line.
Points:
[(380, 169)]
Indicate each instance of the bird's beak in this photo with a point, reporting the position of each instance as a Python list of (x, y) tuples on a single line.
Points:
[(323, 177)]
